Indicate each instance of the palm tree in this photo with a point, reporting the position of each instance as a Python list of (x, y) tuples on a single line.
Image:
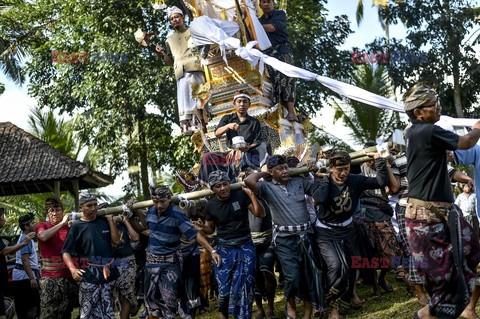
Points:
[(366, 122), (382, 6), (10, 55), (56, 132)]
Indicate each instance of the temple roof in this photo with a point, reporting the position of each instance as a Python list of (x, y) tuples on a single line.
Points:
[(29, 165)]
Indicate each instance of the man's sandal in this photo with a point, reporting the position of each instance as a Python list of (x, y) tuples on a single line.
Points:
[(402, 276)]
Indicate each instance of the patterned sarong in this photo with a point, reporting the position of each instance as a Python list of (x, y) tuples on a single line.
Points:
[(383, 239), (432, 249), (205, 275), (301, 267), (162, 295), (124, 286), (58, 297), (236, 279), (96, 301), (284, 87), (414, 277)]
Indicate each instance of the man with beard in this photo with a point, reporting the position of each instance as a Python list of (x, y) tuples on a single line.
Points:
[(164, 259), (58, 290), (435, 228), (4, 251), (182, 53), (227, 213), (88, 254), (293, 235)]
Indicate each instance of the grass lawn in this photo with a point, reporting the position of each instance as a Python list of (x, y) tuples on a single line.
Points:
[(395, 305)]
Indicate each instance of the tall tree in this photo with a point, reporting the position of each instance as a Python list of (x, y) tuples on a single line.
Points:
[(382, 6), (57, 132), (11, 53), (314, 40), (366, 122), (113, 96), (438, 30)]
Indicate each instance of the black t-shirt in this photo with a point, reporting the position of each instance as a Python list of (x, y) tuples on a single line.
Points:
[(124, 249), (3, 269), (427, 161), (230, 216), (91, 240), (250, 129), (343, 199)]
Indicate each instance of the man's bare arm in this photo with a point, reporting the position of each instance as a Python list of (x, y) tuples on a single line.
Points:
[(252, 180), (46, 234), (469, 140), (13, 249)]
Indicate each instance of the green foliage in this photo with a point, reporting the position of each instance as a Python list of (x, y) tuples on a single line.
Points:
[(314, 41), (112, 97), (58, 133), (367, 123), (438, 30), (325, 139)]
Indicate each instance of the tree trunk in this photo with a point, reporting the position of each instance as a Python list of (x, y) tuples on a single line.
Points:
[(143, 160), (133, 175), (457, 98)]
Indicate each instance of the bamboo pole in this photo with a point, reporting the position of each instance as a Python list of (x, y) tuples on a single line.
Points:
[(358, 157), (361, 160), (187, 196), (371, 149)]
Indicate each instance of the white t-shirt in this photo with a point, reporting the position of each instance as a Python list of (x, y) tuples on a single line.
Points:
[(466, 204)]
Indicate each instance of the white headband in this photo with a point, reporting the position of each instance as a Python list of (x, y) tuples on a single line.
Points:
[(241, 95), (172, 10)]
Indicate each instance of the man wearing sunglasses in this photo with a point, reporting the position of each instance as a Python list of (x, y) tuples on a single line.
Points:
[(435, 228)]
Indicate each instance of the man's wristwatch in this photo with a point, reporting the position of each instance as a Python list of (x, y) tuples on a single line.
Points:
[(213, 252)]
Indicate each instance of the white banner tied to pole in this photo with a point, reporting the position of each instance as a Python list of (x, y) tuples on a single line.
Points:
[(208, 31)]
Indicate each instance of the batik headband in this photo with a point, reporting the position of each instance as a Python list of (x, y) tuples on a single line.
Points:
[(86, 197), (160, 192), (216, 177)]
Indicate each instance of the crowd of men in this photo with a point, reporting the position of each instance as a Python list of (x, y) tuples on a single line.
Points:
[(325, 231)]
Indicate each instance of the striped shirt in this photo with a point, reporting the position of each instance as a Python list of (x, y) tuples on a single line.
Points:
[(401, 163), (166, 230)]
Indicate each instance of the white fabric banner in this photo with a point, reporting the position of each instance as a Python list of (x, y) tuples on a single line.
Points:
[(209, 34), (262, 37)]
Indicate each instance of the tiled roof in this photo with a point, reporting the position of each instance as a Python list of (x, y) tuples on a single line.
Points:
[(29, 165)]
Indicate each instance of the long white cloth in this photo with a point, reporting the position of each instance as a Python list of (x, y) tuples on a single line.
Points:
[(187, 105), (211, 33)]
